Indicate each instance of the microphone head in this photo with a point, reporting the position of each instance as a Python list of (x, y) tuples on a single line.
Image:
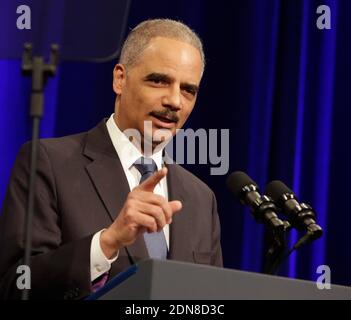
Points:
[(276, 190), (237, 181)]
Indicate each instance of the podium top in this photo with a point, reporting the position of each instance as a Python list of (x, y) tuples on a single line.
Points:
[(173, 280)]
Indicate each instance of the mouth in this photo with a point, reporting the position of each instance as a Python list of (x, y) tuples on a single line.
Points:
[(163, 120)]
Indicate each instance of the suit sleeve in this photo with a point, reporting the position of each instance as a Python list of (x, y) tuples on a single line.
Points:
[(58, 270), (217, 259)]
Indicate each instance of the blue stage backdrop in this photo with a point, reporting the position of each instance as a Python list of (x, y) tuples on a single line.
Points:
[(281, 86)]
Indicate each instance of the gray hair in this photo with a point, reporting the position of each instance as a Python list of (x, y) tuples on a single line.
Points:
[(139, 38)]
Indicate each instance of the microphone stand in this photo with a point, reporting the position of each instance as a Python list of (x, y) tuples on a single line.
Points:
[(306, 238), (276, 249), (40, 71)]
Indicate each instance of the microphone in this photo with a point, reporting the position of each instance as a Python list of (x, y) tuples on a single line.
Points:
[(262, 207), (300, 215)]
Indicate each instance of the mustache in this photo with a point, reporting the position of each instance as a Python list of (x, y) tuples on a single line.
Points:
[(166, 113)]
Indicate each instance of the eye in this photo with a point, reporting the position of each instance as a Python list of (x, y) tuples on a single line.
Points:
[(158, 81), (190, 91)]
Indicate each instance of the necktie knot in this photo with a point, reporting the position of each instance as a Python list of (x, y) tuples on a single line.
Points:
[(146, 166)]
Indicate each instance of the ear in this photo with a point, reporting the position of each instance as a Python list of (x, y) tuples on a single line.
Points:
[(119, 78)]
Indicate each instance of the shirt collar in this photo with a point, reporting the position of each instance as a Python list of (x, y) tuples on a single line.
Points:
[(127, 152)]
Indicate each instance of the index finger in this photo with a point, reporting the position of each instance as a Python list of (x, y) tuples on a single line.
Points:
[(150, 183)]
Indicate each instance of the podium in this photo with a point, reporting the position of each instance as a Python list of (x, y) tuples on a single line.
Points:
[(172, 280)]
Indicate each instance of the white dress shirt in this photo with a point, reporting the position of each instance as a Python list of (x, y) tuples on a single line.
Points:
[(128, 153)]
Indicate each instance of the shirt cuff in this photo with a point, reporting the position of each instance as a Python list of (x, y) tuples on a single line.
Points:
[(99, 264)]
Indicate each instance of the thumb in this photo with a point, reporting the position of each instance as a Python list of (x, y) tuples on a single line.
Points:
[(175, 205)]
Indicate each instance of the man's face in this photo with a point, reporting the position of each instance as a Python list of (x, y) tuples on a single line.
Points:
[(160, 87)]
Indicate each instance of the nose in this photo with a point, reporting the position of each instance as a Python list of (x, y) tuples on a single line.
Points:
[(172, 99)]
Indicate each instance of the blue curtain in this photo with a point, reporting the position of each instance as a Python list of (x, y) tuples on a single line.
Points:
[(273, 78)]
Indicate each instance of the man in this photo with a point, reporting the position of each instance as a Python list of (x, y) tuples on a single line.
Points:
[(103, 202)]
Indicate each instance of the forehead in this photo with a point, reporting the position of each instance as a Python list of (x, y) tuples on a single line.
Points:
[(172, 57)]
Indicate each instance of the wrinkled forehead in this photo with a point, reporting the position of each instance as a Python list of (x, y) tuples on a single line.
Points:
[(173, 57)]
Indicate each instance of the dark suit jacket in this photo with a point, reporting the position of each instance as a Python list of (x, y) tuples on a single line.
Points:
[(80, 189)]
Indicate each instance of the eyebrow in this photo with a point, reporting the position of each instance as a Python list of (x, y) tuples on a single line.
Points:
[(164, 77), (158, 76)]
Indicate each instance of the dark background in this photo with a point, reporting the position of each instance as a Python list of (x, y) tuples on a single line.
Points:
[(273, 78)]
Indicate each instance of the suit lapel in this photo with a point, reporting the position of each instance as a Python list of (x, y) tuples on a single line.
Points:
[(180, 245), (107, 175)]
